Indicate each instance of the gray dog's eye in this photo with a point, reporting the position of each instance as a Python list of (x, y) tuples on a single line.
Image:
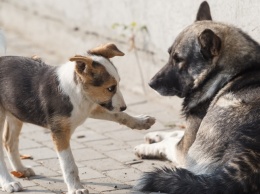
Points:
[(177, 58)]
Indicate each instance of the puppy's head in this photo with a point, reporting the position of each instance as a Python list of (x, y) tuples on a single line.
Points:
[(191, 55), (99, 77)]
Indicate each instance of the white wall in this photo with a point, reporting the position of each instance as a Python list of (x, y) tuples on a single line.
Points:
[(50, 23), (164, 19)]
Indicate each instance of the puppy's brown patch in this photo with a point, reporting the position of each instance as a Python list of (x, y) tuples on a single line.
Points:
[(61, 133), (108, 50), (10, 136), (94, 78)]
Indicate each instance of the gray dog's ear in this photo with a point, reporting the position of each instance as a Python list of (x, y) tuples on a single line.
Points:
[(210, 44), (204, 12)]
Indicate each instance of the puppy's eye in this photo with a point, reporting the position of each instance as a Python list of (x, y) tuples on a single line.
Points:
[(112, 88)]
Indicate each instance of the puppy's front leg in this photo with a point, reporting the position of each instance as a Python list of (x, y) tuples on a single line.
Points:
[(61, 137), (133, 122)]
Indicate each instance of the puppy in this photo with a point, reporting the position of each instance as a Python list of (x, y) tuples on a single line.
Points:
[(60, 99), (216, 69)]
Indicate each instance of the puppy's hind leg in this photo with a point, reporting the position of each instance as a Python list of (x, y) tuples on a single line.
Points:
[(6, 181), (12, 131)]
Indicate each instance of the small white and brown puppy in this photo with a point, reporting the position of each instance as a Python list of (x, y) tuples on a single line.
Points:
[(60, 99)]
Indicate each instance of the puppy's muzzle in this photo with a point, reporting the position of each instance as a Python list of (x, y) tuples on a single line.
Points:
[(109, 106)]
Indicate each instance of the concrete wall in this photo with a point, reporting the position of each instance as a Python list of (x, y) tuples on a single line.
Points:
[(68, 27)]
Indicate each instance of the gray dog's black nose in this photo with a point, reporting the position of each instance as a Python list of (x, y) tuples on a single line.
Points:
[(123, 108), (152, 83)]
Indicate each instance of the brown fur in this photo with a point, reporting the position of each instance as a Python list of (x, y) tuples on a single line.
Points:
[(11, 136), (108, 50), (61, 132), (92, 75)]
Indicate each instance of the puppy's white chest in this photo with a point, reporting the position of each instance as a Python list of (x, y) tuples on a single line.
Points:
[(80, 113)]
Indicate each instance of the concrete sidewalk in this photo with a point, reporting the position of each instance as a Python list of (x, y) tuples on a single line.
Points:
[(103, 150)]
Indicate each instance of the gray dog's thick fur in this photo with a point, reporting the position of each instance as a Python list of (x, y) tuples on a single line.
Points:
[(216, 68)]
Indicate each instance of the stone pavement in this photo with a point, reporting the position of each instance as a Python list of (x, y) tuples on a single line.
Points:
[(103, 150)]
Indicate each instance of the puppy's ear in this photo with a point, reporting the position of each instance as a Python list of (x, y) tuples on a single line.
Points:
[(82, 63), (210, 44), (108, 50), (204, 12)]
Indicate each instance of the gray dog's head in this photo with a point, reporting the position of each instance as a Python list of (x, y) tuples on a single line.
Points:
[(192, 53), (204, 57)]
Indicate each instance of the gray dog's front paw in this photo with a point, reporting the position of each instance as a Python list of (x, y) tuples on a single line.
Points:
[(141, 122)]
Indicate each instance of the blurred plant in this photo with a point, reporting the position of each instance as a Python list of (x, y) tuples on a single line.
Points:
[(132, 30)]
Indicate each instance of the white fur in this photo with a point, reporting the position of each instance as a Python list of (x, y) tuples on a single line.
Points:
[(108, 65), (229, 100), (70, 172), (81, 105), (155, 137), (164, 148)]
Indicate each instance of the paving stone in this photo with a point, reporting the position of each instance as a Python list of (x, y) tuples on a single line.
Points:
[(86, 135), (122, 192), (25, 143), (26, 182), (107, 145), (73, 144), (121, 155), (87, 154), (149, 165), (88, 173), (27, 162), (146, 108), (103, 164), (54, 184), (52, 164), (106, 184), (30, 129), (124, 175), (40, 136), (102, 126), (125, 135), (43, 171), (41, 153), (132, 144)]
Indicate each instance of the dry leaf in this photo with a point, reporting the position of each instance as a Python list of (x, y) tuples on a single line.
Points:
[(24, 157), (17, 174)]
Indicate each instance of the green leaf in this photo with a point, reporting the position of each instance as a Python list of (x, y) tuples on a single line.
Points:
[(115, 25), (133, 24)]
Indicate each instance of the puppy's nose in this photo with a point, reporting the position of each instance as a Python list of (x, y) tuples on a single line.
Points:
[(123, 108)]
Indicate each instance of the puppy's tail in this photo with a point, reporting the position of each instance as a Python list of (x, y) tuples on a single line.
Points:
[(182, 181), (2, 43)]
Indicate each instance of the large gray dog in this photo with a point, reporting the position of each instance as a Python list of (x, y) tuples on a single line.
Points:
[(216, 69)]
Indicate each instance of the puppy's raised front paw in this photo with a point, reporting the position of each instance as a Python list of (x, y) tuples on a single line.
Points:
[(141, 122), (12, 187), (79, 191)]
